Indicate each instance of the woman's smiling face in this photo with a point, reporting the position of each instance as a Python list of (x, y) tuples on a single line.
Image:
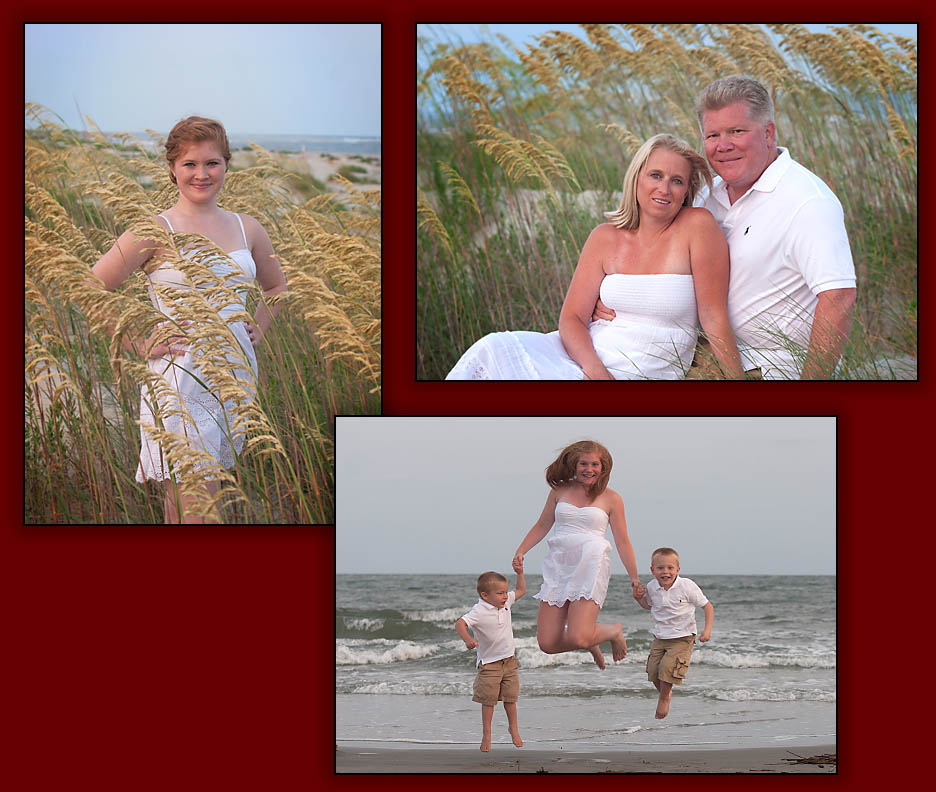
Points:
[(588, 469), (663, 184), (199, 171)]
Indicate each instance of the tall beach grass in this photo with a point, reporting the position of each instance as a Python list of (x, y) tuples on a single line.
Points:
[(519, 151), (82, 391)]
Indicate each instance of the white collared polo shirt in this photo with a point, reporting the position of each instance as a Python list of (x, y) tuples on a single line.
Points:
[(492, 629), (787, 244), (673, 611)]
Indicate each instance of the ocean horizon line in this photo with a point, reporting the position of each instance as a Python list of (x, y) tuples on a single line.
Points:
[(690, 574)]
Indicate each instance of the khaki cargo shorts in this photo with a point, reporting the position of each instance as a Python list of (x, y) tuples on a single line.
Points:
[(669, 659), (497, 681)]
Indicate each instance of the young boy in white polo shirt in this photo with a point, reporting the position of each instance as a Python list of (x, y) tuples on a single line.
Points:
[(497, 679), (672, 601)]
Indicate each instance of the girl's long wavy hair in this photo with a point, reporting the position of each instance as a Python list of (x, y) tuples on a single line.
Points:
[(562, 469), (627, 215)]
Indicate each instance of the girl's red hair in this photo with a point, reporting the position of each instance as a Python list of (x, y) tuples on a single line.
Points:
[(196, 129), (562, 470)]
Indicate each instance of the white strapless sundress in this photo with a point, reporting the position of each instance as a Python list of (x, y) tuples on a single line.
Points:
[(578, 562), (652, 336)]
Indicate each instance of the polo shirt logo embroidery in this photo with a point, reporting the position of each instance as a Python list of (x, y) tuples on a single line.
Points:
[(746, 230)]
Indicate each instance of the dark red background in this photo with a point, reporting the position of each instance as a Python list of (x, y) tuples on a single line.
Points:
[(147, 658)]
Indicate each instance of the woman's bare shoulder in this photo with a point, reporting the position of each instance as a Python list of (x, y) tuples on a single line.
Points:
[(254, 229), (698, 218), (612, 497), (555, 493), (250, 220), (604, 241), (605, 233)]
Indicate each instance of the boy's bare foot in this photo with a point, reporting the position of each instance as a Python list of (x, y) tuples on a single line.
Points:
[(599, 657), (486, 744), (666, 696), (515, 736), (618, 644)]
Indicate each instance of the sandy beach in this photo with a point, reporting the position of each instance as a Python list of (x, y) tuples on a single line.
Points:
[(322, 166), (365, 757)]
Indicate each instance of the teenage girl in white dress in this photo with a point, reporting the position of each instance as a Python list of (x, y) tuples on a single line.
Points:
[(577, 566), (198, 154)]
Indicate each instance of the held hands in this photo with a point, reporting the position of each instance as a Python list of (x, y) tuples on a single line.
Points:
[(638, 589), (518, 563)]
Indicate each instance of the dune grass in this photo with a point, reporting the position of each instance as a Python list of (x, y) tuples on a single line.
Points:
[(82, 392), (520, 151)]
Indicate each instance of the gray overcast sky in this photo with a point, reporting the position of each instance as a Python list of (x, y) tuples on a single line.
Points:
[(256, 78), (457, 495)]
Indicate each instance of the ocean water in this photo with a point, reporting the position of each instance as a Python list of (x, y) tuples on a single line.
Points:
[(331, 144), (402, 674)]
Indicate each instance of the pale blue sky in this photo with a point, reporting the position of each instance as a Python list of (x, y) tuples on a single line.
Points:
[(255, 78), (739, 495)]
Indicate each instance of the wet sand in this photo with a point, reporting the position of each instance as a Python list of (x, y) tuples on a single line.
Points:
[(364, 757)]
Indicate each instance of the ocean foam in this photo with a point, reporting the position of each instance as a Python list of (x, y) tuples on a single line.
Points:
[(529, 655), (446, 616), (417, 687), (347, 653), (368, 625), (771, 695), (730, 660)]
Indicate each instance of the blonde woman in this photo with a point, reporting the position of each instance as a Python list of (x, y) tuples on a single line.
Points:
[(661, 264), (178, 402), (577, 567)]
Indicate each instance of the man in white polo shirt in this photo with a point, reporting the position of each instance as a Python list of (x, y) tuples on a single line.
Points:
[(792, 288)]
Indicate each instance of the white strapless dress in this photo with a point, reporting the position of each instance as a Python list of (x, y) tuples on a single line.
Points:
[(578, 562), (652, 336)]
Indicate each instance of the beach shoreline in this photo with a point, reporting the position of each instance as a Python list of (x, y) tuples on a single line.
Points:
[(366, 757), (322, 166)]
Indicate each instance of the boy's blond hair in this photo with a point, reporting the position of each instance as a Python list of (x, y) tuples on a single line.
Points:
[(664, 551), (486, 581)]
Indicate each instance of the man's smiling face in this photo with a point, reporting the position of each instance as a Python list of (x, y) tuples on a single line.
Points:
[(738, 148)]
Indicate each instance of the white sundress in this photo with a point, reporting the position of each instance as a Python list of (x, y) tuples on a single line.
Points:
[(578, 562), (652, 336), (209, 428)]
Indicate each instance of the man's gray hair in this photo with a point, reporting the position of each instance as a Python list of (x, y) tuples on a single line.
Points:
[(730, 90)]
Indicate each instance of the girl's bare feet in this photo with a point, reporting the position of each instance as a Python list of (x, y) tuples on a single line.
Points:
[(486, 743), (618, 644), (515, 736), (599, 657)]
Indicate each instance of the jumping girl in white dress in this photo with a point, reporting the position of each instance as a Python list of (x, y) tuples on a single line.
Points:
[(198, 153), (661, 264), (577, 566)]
